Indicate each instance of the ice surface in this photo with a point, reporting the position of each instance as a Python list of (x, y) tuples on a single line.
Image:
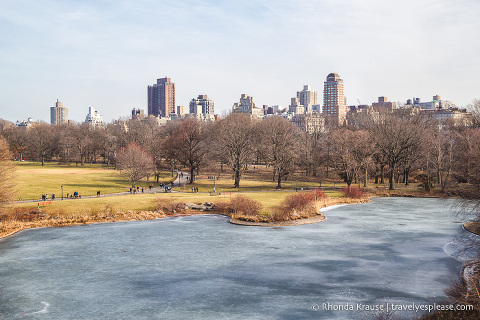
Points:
[(400, 250)]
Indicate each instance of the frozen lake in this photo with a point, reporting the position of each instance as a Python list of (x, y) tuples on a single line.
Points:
[(400, 250)]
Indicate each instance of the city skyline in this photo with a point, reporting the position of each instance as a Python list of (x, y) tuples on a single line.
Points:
[(104, 54)]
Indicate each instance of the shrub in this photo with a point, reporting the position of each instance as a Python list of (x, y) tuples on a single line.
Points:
[(353, 192), (299, 201), (298, 205), (168, 206), (319, 194), (280, 214), (243, 205)]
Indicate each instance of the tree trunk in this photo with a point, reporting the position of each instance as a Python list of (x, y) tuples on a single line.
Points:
[(192, 173), (237, 179), (279, 181), (366, 177), (382, 174), (439, 177), (392, 177)]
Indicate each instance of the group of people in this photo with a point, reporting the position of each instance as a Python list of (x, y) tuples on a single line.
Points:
[(135, 190), (45, 197), (165, 187), (74, 195)]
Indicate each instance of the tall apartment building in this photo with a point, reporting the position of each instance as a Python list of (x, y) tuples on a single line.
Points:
[(307, 98), (334, 108), (161, 98), (58, 114), (181, 111)]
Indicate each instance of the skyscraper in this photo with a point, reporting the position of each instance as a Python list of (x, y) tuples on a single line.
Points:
[(161, 98), (307, 98), (58, 114), (334, 108)]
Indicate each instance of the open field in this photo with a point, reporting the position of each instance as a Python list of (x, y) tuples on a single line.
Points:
[(33, 180), (226, 185), (139, 202), (119, 208)]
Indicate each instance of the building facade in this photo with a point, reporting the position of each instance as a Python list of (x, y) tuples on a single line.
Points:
[(309, 122), (246, 105), (93, 118), (296, 107), (138, 114), (334, 108), (307, 98), (58, 114), (383, 105), (161, 98), (202, 105)]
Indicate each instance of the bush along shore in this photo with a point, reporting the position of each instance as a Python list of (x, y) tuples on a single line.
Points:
[(298, 208)]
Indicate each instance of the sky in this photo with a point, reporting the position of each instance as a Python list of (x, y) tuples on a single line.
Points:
[(104, 53)]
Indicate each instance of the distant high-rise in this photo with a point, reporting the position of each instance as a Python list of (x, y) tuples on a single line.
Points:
[(202, 108), (138, 114), (180, 111), (58, 114), (246, 105), (93, 118), (161, 98), (202, 105), (334, 108), (307, 98)]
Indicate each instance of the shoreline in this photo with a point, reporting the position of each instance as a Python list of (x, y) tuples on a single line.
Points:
[(296, 222), (54, 222), (314, 219)]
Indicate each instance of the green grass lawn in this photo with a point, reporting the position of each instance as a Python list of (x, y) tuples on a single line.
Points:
[(246, 185), (33, 180)]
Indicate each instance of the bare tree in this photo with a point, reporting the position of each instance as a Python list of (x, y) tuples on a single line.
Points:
[(474, 109), (351, 152), (440, 149), (187, 145), (136, 162), (40, 141), (281, 140), (396, 138), (7, 169), (467, 153), (233, 139), (17, 138)]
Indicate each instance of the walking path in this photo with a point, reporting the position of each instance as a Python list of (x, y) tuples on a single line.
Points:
[(181, 180)]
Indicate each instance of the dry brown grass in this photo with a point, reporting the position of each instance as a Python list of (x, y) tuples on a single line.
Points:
[(27, 219)]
